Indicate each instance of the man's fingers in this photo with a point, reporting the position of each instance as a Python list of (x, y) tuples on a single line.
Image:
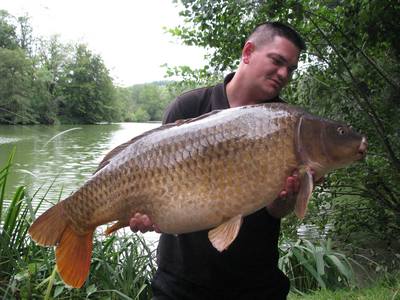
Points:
[(146, 221), (142, 223), (289, 187), (283, 194), (296, 183), (292, 184), (156, 229), (133, 224)]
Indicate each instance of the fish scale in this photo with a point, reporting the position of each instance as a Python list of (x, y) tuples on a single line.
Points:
[(203, 173)]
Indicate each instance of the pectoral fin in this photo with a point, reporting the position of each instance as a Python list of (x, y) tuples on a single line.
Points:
[(223, 235), (116, 226), (304, 194)]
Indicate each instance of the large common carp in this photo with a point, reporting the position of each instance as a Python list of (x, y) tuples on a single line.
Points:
[(203, 173)]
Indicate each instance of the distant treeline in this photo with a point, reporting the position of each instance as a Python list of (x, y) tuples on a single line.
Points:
[(46, 81)]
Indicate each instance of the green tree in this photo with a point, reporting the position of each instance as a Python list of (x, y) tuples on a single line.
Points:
[(124, 105), (47, 81), (16, 90), (150, 100), (8, 31), (88, 91), (24, 95), (52, 58), (25, 35)]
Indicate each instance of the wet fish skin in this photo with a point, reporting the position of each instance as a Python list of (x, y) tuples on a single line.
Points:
[(199, 174), (205, 174)]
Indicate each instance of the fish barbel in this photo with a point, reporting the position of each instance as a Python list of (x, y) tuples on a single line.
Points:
[(202, 173)]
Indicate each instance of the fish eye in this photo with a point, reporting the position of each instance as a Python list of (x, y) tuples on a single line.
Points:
[(341, 130)]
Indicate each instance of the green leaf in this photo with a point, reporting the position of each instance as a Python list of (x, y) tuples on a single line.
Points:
[(58, 290), (346, 271), (306, 264), (91, 289), (319, 260)]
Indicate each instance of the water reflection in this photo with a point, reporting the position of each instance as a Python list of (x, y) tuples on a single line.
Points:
[(43, 155)]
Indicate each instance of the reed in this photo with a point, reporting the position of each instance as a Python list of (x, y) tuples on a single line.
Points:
[(12, 224), (311, 266), (121, 268)]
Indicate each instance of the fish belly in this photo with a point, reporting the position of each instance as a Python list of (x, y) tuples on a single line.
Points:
[(232, 178), (194, 177)]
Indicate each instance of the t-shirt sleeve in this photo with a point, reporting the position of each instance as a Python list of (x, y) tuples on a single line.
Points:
[(173, 112), (188, 105)]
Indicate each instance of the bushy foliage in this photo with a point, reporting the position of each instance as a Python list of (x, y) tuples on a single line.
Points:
[(48, 82), (315, 266), (350, 73)]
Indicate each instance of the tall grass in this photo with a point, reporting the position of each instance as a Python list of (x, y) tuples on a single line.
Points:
[(311, 267), (121, 266), (13, 227), (386, 288)]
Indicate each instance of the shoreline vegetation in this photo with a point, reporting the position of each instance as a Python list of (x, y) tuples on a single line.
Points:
[(122, 266), (46, 81)]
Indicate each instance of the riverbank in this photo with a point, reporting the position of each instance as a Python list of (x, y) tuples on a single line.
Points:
[(386, 288)]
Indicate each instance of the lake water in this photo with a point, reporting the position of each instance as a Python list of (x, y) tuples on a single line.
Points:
[(62, 157), (65, 154)]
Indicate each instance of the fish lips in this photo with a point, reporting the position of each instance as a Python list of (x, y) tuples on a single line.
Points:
[(362, 149)]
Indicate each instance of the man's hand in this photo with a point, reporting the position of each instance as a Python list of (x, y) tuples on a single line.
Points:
[(292, 186), (286, 200), (142, 223)]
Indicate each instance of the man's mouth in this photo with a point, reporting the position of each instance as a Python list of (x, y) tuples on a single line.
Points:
[(276, 83)]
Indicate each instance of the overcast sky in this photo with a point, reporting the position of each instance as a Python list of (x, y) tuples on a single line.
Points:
[(128, 34)]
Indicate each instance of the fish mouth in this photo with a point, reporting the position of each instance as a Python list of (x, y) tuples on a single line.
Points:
[(362, 149)]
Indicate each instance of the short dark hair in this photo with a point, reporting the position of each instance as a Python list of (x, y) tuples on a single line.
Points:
[(265, 32)]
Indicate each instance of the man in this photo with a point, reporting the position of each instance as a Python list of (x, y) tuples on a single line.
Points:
[(188, 265)]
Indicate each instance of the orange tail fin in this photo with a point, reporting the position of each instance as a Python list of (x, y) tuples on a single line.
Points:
[(48, 228), (73, 256), (73, 252)]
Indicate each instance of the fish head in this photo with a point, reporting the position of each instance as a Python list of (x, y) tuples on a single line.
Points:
[(329, 145)]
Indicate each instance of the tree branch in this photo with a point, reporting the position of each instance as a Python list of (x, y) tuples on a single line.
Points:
[(369, 109), (351, 41)]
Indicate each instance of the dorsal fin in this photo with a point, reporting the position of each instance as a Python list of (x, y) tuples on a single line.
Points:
[(107, 158)]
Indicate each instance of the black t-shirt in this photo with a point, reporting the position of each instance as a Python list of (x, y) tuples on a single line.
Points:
[(251, 260)]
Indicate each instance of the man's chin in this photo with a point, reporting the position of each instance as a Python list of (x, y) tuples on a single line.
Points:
[(271, 93)]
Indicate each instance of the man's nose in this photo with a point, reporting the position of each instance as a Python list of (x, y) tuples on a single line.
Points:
[(283, 73)]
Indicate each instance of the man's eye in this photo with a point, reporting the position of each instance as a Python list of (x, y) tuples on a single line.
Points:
[(277, 61)]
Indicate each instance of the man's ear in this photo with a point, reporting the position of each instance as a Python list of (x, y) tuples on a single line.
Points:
[(246, 52)]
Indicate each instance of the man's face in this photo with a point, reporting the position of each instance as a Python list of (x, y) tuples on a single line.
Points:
[(270, 66)]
